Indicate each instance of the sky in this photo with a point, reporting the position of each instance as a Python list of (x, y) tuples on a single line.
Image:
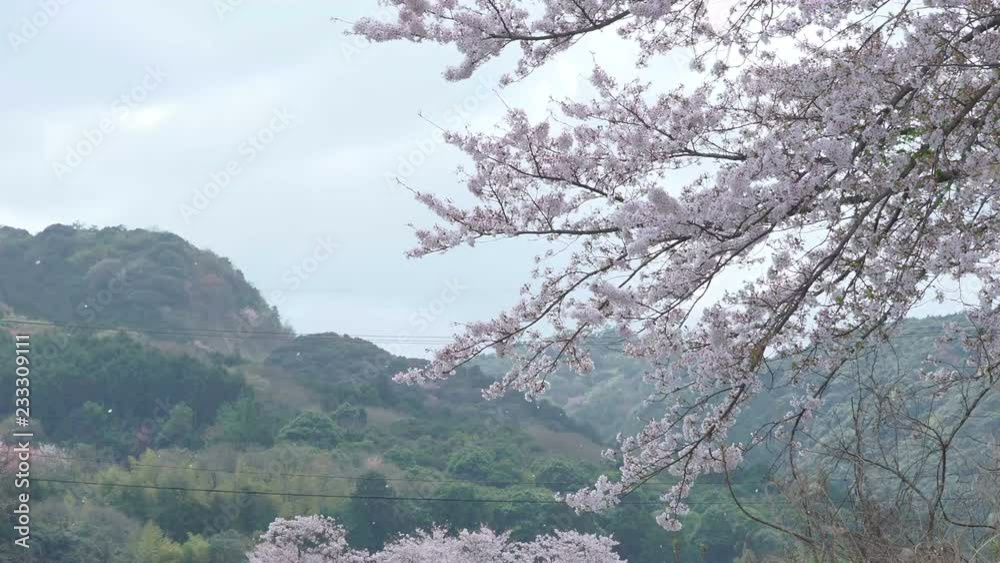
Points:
[(259, 131)]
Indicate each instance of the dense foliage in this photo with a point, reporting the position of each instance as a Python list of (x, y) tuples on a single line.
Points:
[(131, 278), (113, 392), (130, 414), (611, 397)]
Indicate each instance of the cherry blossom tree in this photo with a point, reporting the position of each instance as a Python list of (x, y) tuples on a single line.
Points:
[(487, 546), (305, 539), (835, 164), (318, 539)]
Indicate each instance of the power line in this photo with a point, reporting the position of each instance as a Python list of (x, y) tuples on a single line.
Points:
[(311, 475), (210, 332), (263, 334), (399, 498), (314, 495), (762, 481), (284, 335), (357, 478)]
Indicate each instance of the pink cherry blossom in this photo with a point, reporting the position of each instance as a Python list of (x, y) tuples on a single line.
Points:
[(318, 539), (305, 539), (842, 158)]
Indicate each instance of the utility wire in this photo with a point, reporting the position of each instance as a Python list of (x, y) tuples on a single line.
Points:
[(393, 498), (313, 495), (263, 334), (310, 475), (427, 339), (762, 481)]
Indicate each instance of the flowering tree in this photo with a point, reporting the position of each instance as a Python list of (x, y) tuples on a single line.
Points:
[(305, 539), (842, 156), (486, 546), (317, 539)]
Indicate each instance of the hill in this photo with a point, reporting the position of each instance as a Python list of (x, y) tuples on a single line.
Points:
[(328, 371), (131, 278), (132, 393), (147, 378), (610, 398)]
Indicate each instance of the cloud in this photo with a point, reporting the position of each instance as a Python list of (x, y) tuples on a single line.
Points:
[(358, 118)]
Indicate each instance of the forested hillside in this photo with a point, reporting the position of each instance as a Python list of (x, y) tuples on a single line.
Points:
[(607, 397), (161, 444), (156, 444), (131, 278)]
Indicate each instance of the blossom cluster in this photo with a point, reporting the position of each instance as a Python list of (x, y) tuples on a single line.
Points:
[(319, 539), (839, 159)]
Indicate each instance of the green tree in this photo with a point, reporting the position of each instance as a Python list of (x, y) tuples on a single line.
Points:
[(151, 546), (244, 422), (179, 428), (459, 515), (560, 475), (72, 533), (350, 416), (471, 462), (371, 518), (227, 546), (177, 512), (196, 550), (312, 428)]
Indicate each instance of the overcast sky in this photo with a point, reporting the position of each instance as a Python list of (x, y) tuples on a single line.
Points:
[(180, 86), (308, 125)]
